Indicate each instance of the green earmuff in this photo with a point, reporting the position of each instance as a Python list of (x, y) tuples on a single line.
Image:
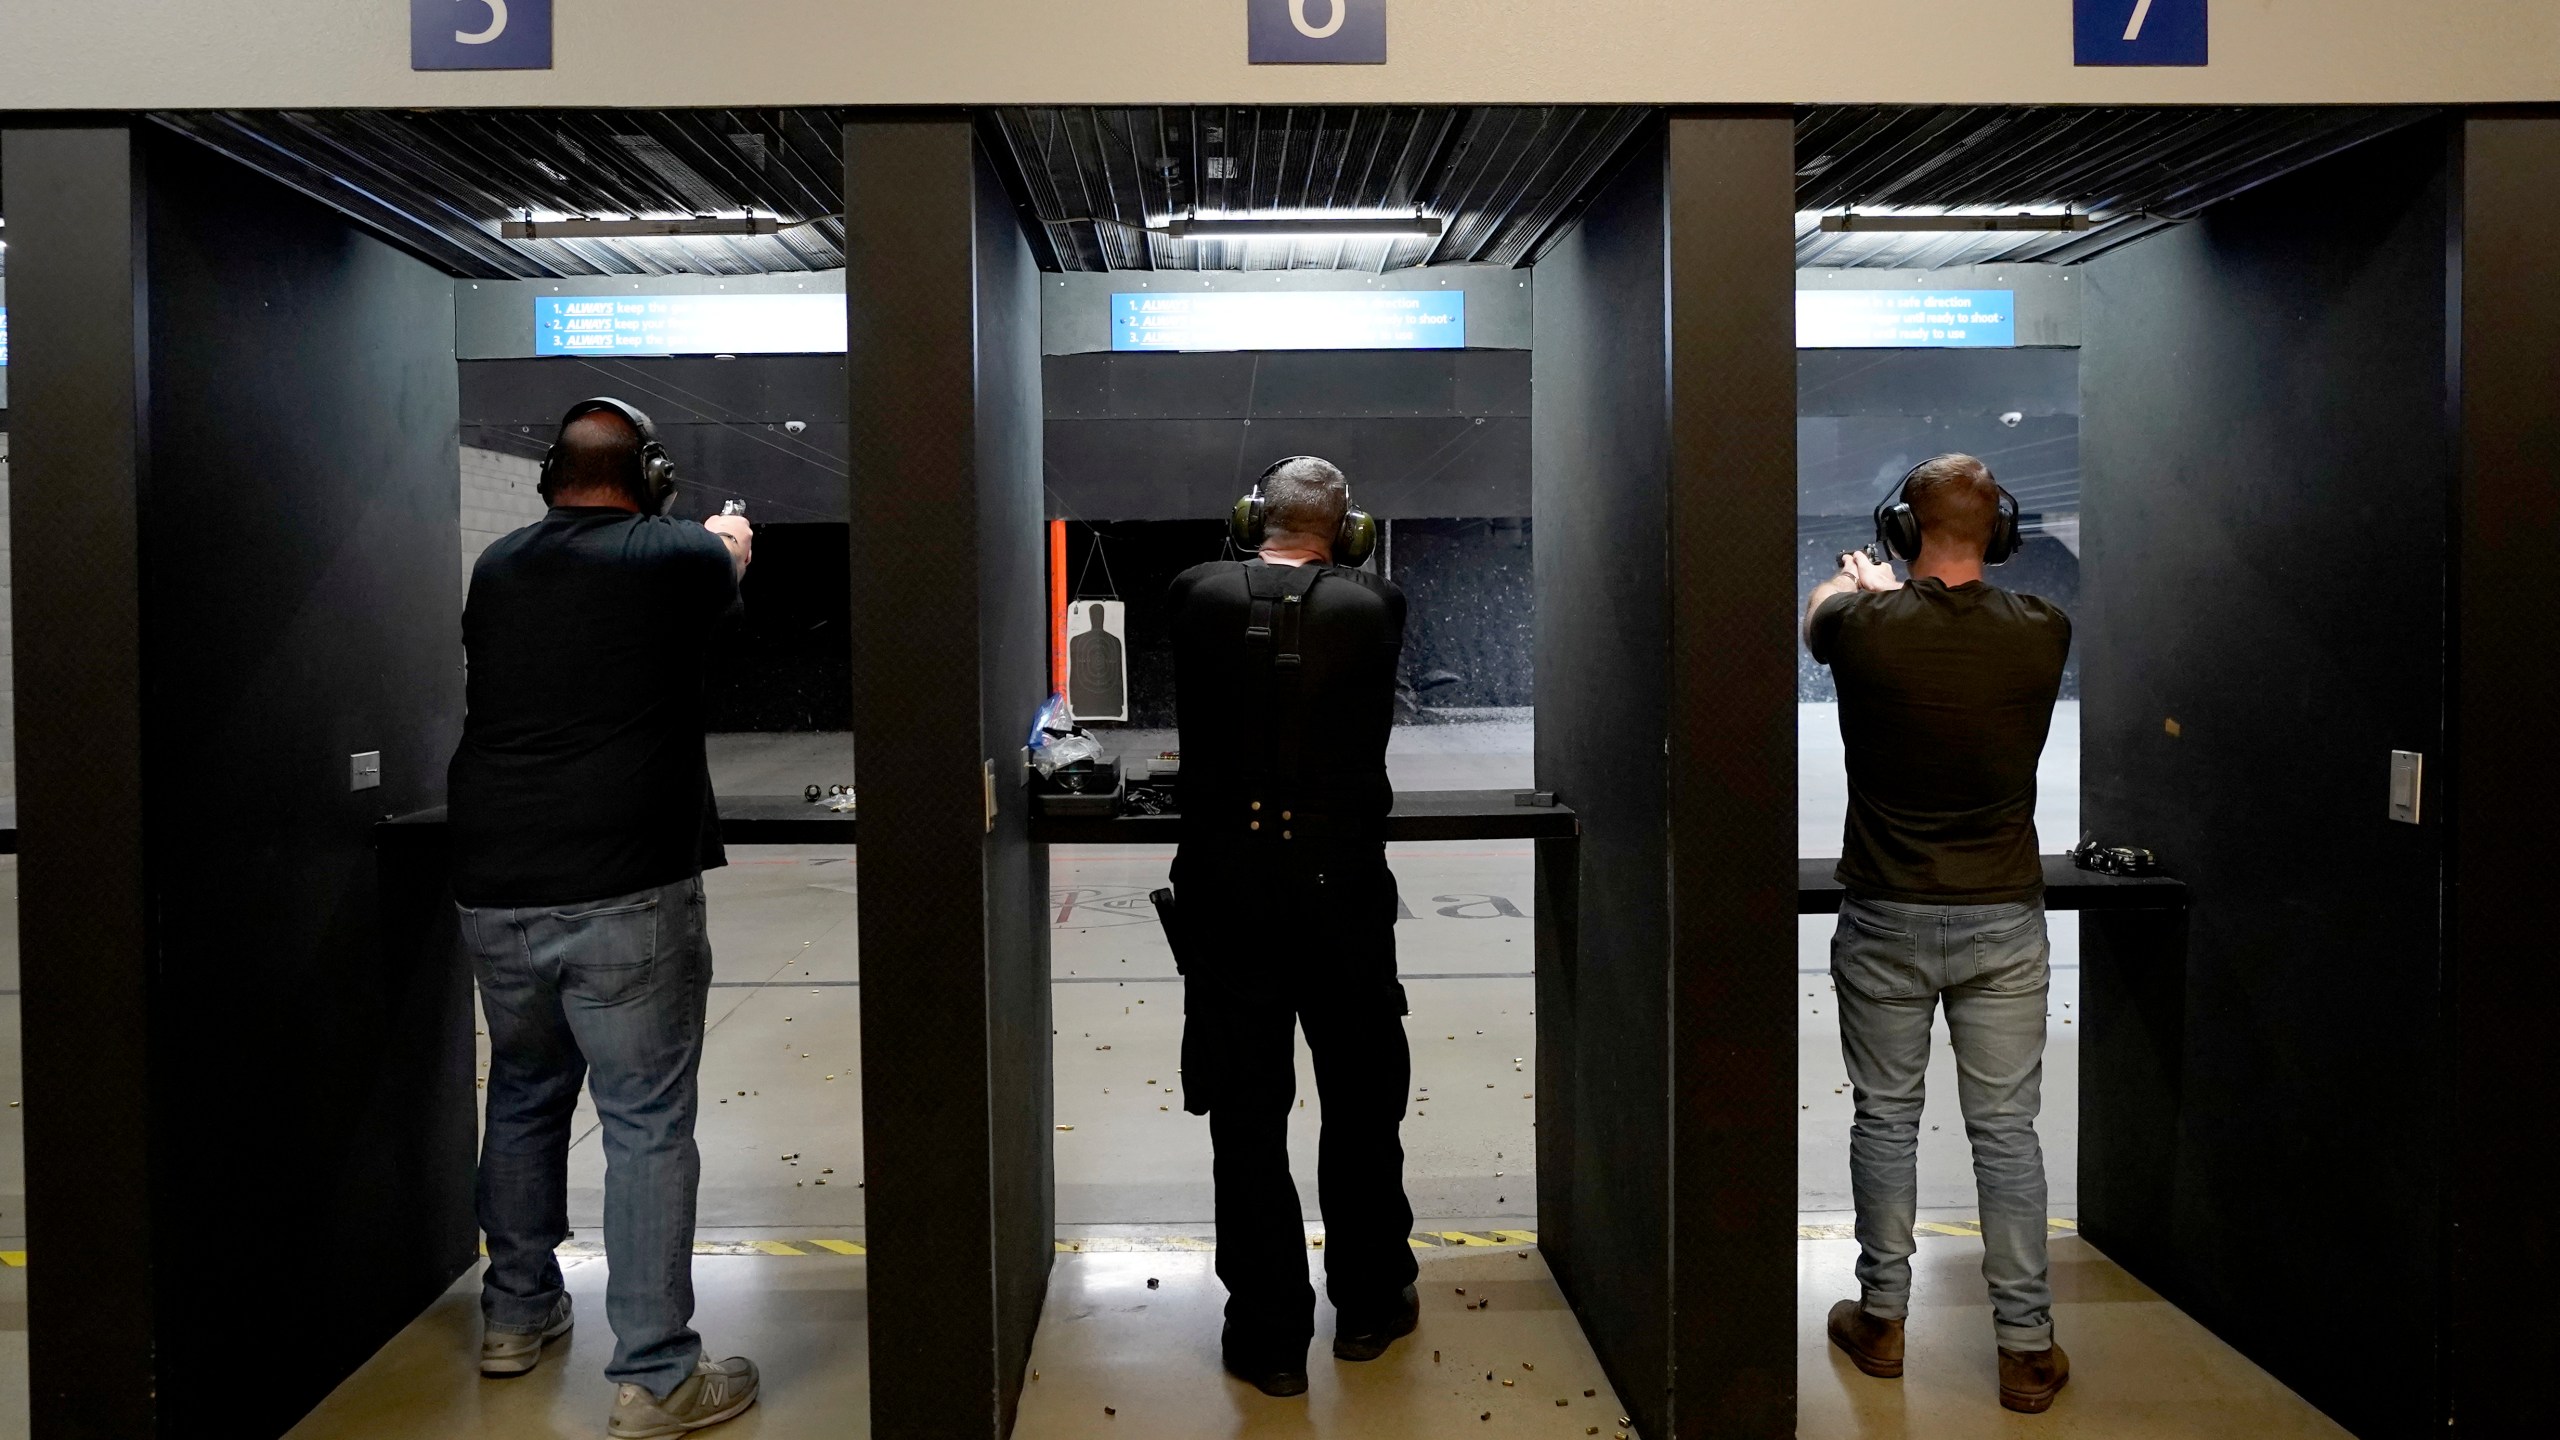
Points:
[(1249, 521)]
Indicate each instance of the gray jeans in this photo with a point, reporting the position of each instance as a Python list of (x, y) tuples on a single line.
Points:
[(1991, 965), (611, 993)]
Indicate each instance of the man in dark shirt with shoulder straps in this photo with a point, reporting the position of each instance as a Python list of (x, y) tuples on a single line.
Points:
[(1284, 684), (582, 820), (1947, 687)]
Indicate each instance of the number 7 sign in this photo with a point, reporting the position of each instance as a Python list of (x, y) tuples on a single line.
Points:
[(2138, 32)]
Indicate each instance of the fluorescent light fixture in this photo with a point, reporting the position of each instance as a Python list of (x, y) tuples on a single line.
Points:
[(1304, 227), (634, 229), (1887, 222)]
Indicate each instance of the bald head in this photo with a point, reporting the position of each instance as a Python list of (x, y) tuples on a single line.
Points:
[(599, 455), (1956, 502)]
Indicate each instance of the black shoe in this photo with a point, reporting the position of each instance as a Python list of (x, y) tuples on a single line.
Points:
[(1368, 1337), (1272, 1373)]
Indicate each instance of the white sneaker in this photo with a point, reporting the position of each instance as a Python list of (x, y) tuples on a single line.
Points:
[(717, 1390), (506, 1353)]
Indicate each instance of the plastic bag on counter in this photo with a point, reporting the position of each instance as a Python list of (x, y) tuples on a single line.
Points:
[(1057, 741)]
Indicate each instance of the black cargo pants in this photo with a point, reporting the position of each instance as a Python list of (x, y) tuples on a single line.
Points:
[(1312, 946)]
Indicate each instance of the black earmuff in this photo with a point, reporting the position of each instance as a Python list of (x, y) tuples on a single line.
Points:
[(653, 481), (1898, 529), (1353, 543)]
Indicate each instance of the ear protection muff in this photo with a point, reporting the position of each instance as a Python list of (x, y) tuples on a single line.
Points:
[(1898, 529), (653, 479), (1249, 521)]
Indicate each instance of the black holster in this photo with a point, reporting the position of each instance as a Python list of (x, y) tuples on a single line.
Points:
[(1204, 1012)]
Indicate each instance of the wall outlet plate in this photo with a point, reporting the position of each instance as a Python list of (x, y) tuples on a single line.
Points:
[(2408, 785), (364, 772)]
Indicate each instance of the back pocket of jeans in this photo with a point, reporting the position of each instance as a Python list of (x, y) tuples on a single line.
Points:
[(1875, 959), (609, 952), (2010, 956)]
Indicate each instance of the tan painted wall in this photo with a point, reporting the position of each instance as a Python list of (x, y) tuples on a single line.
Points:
[(257, 53)]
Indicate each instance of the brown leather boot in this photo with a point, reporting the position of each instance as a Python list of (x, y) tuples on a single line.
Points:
[(1873, 1343), (2029, 1379)]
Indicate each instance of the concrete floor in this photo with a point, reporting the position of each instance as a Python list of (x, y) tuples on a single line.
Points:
[(781, 1078)]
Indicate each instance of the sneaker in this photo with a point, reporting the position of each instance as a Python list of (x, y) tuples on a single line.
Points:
[(2029, 1379), (717, 1390), (1872, 1343), (1367, 1336), (505, 1354)]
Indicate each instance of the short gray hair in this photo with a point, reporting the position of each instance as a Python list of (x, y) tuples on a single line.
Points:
[(1305, 496)]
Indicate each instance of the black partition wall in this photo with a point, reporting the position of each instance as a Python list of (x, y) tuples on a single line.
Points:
[(1664, 475), (2504, 783), (248, 1106), (2319, 487), (950, 654)]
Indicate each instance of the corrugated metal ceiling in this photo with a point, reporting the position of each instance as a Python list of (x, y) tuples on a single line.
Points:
[(1503, 180), (440, 181), (2132, 171)]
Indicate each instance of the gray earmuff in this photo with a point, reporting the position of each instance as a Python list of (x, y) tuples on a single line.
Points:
[(1249, 521), (653, 482)]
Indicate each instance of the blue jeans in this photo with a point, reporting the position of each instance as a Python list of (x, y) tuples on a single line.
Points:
[(611, 992), (1991, 965)]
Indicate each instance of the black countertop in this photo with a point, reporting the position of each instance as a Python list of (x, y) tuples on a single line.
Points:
[(2066, 887), (744, 820), (1419, 815), (1422, 815)]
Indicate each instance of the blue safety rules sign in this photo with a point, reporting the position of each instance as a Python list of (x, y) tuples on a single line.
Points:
[(479, 34), (2138, 32), (1316, 32)]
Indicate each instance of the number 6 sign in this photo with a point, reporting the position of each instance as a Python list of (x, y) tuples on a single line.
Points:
[(2138, 32), (479, 34), (1316, 32)]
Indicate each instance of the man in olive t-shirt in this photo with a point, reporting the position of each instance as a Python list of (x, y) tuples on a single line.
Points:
[(1946, 694)]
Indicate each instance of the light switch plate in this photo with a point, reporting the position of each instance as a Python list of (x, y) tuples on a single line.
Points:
[(364, 772), (2408, 785)]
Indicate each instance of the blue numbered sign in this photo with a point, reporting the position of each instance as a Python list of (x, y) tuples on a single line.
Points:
[(479, 34), (1316, 32), (2138, 32)]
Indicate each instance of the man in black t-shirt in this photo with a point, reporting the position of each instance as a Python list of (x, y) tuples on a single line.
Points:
[(1947, 688), (1284, 685), (582, 820)]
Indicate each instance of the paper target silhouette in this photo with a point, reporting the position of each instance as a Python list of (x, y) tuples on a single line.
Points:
[(1098, 660)]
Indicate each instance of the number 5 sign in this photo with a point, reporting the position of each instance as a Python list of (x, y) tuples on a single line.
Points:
[(2138, 32), (479, 34)]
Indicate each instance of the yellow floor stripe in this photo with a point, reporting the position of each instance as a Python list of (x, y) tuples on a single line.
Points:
[(1113, 1244)]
